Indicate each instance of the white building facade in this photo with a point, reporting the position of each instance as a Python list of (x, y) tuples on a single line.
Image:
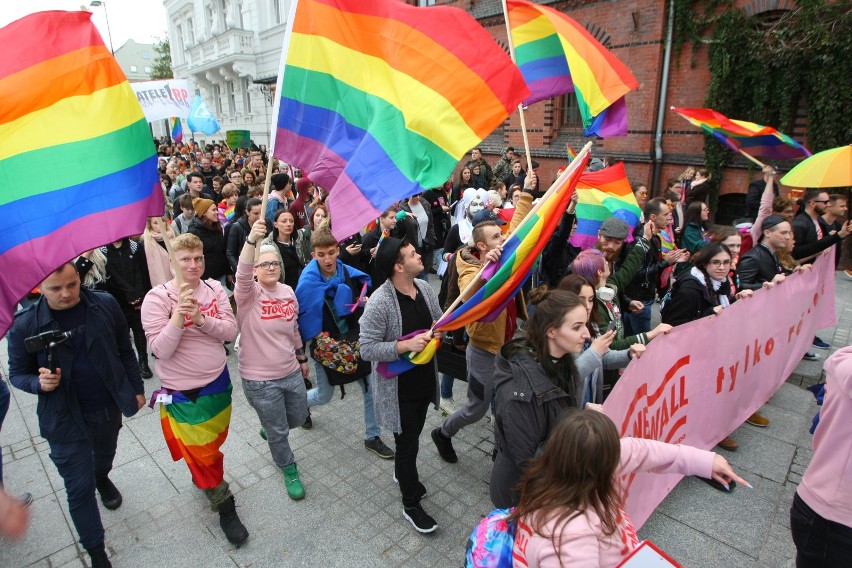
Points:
[(229, 51)]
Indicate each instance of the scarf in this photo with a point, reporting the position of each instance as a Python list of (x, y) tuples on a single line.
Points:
[(717, 286), (159, 268), (314, 288)]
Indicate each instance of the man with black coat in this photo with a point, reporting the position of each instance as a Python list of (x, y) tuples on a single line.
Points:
[(81, 401), (209, 171), (419, 229), (810, 239), (759, 267), (239, 231)]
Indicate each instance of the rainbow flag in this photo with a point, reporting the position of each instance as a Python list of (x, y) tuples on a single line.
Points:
[(77, 165), (603, 194), (667, 241), (743, 136), (503, 282), (571, 152), (177, 129), (557, 55), (379, 100)]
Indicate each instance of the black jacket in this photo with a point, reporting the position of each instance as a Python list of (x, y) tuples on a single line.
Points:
[(237, 236), (644, 284), (757, 266), (213, 172), (215, 262), (527, 406), (412, 227), (558, 254), (60, 418), (808, 242), (691, 300), (755, 192), (127, 273)]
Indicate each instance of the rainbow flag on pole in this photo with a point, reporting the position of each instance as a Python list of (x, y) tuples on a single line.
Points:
[(503, 282), (177, 129), (379, 100), (77, 164), (557, 55), (603, 194), (743, 136)]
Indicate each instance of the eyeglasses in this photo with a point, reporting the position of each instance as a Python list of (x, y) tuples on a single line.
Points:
[(269, 265), (719, 263)]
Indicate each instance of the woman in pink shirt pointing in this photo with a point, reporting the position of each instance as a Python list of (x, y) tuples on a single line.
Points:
[(571, 509), (273, 365)]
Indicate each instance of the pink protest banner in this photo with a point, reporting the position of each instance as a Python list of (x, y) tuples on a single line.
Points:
[(699, 383)]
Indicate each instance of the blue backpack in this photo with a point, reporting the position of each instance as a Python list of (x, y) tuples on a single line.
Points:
[(491, 543)]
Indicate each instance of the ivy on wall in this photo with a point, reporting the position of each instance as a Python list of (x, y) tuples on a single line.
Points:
[(765, 73)]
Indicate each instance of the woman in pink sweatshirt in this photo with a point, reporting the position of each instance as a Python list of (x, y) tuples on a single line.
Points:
[(571, 511), (272, 361), (821, 515)]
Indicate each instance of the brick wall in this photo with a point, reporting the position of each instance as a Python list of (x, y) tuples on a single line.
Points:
[(636, 30)]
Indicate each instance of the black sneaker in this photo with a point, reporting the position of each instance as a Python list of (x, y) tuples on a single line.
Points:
[(110, 495), (820, 344), (419, 519), (308, 423), (445, 446), (810, 356), (378, 447)]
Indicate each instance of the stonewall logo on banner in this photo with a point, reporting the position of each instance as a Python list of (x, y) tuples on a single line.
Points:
[(688, 390)]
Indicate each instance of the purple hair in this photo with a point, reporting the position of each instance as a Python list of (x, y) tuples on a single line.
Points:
[(588, 264)]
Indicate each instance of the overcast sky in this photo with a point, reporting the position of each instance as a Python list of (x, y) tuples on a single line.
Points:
[(140, 20)]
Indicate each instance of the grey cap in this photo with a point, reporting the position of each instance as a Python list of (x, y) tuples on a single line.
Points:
[(596, 164), (614, 228)]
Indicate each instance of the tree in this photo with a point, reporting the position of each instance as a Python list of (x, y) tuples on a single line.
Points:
[(162, 68)]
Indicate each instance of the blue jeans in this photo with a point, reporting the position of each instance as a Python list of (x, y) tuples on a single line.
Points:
[(480, 385), (4, 408), (322, 393), (820, 543), (281, 406), (446, 385), (79, 463), (639, 322)]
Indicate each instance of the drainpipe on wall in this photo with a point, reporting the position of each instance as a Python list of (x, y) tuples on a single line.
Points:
[(661, 104)]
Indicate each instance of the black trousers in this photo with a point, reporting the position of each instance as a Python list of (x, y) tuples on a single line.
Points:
[(134, 322), (412, 415), (820, 543)]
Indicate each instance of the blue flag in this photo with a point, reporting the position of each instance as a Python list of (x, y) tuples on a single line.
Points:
[(200, 118)]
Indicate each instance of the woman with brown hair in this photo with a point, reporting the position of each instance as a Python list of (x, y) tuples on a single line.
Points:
[(571, 507), (535, 381)]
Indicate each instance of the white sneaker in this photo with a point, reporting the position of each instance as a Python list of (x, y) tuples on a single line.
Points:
[(447, 405)]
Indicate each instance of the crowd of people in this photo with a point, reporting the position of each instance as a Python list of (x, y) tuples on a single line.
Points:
[(215, 273)]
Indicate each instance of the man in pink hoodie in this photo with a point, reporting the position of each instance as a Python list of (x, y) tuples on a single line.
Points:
[(821, 515), (186, 325)]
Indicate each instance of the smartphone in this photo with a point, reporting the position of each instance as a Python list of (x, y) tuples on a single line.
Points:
[(611, 326)]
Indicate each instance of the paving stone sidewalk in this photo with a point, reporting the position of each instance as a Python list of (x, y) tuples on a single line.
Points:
[(351, 516)]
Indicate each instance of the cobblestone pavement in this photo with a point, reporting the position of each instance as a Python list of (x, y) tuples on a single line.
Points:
[(352, 514)]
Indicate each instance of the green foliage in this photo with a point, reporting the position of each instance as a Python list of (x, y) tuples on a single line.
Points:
[(162, 68), (690, 25), (765, 73)]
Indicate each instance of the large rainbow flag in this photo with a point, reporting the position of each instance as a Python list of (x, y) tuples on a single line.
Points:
[(604, 193), (77, 164), (743, 136), (557, 55), (379, 100), (503, 282)]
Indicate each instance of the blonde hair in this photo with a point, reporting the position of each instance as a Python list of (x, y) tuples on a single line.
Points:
[(98, 273), (187, 241)]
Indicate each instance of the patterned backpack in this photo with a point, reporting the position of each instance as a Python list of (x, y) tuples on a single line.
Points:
[(491, 543)]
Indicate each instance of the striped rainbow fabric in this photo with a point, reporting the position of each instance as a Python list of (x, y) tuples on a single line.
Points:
[(379, 100), (740, 135), (177, 129), (503, 282), (77, 164), (603, 194), (557, 55), (195, 430)]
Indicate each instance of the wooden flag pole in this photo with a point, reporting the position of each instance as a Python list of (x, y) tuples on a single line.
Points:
[(265, 199), (753, 159), (556, 184), (520, 106)]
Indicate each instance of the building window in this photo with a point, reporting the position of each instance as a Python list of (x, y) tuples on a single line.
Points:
[(147, 69), (566, 111), (277, 12), (246, 95), (232, 99), (133, 69), (425, 2), (217, 99), (223, 12), (146, 55), (208, 11), (180, 48), (191, 31)]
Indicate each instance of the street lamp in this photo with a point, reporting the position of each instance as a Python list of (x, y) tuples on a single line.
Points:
[(97, 3)]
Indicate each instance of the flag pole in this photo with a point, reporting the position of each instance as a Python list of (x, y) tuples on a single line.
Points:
[(752, 158), (265, 199), (167, 240), (575, 163), (520, 106)]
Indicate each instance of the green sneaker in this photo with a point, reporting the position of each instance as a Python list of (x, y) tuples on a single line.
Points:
[(263, 433), (295, 489)]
